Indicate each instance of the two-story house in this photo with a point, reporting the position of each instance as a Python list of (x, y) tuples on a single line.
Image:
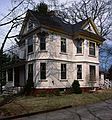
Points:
[(56, 53)]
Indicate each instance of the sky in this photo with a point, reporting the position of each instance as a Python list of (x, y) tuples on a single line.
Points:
[(5, 7)]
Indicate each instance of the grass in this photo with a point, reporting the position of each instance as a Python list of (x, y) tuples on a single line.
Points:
[(29, 104)]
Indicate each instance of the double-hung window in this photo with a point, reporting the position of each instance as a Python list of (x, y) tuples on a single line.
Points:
[(92, 48), (92, 73), (63, 71), (42, 71), (30, 44), (63, 45), (42, 42), (79, 46), (79, 71)]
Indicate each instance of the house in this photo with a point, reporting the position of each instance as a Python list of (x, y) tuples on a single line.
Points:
[(54, 53)]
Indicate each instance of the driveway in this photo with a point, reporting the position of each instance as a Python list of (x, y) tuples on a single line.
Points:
[(98, 111)]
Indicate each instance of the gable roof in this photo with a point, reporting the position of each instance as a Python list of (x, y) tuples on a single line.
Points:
[(54, 22)]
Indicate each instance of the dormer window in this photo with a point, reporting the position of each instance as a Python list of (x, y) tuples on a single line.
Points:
[(79, 45), (30, 25)]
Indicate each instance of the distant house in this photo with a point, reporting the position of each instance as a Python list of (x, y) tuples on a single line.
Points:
[(54, 53)]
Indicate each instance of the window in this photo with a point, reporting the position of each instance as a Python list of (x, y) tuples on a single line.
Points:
[(91, 48), (63, 45), (42, 42), (79, 71), (63, 71), (30, 25), (92, 73), (79, 46), (30, 73), (30, 44), (42, 70)]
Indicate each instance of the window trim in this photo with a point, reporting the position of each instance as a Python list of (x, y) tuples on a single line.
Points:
[(63, 47), (80, 72)]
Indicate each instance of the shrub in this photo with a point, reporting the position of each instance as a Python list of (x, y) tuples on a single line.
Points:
[(56, 92), (42, 94), (76, 87)]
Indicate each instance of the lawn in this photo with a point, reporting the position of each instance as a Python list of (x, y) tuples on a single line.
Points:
[(29, 104)]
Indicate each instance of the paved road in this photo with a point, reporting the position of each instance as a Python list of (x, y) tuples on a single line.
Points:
[(98, 111)]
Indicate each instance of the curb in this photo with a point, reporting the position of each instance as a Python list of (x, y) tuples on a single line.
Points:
[(34, 113)]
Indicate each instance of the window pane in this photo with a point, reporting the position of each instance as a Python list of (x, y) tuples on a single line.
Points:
[(79, 71), (92, 73), (63, 71), (42, 70), (63, 45), (92, 48)]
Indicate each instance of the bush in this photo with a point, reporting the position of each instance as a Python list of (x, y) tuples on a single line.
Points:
[(76, 87), (42, 94), (56, 92)]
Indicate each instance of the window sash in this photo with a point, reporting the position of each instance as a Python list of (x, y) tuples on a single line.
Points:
[(63, 45), (63, 71), (79, 71), (42, 70)]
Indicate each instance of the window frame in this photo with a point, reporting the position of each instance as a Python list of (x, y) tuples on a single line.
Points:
[(79, 72), (63, 45), (63, 71), (92, 51), (42, 72)]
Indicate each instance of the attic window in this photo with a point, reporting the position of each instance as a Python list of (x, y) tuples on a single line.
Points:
[(30, 25)]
